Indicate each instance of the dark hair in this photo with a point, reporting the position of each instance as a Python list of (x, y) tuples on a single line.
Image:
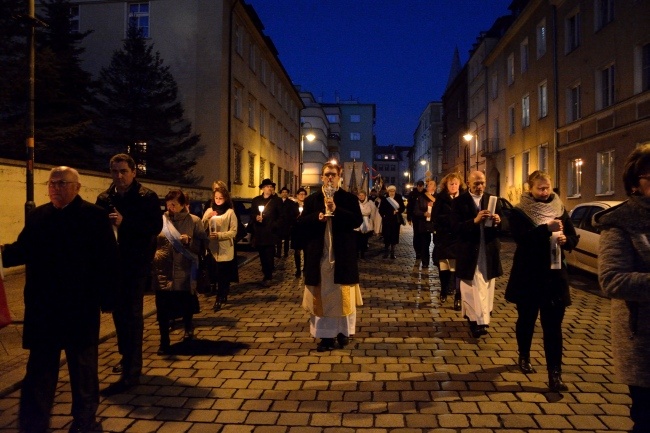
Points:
[(284, 188), (637, 164), (178, 195), (301, 190), (221, 189), (420, 183), (123, 157)]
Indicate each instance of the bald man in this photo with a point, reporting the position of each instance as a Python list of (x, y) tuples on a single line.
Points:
[(70, 256), (478, 261)]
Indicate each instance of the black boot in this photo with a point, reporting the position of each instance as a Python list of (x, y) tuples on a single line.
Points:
[(385, 252), (217, 305), (456, 290), (524, 364), (392, 252), (325, 345), (555, 383), (164, 341)]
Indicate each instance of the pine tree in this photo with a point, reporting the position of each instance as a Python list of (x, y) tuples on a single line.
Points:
[(138, 103)]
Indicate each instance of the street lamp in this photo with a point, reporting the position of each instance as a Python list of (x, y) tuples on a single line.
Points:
[(310, 136), (468, 137)]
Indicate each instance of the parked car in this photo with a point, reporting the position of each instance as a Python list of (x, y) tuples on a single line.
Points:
[(243, 212), (585, 255)]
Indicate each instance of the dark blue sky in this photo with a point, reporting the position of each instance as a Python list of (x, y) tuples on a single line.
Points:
[(394, 53)]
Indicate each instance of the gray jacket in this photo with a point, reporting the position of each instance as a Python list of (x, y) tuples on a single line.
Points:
[(624, 275)]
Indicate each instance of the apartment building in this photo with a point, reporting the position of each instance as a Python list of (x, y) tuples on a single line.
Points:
[(455, 150), (317, 138), (427, 143), (357, 130), (233, 87)]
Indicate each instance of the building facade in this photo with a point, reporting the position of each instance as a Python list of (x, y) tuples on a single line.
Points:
[(427, 144), (232, 85)]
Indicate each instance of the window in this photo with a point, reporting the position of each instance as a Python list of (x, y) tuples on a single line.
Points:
[(572, 32), (511, 119), (139, 17), (642, 68), (263, 132), (574, 180), (238, 162), (263, 72), (604, 13), (494, 85), (262, 169), (252, 52), (523, 51), (251, 112), (74, 19), (355, 118), (272, 83), (239, 39), (525, 111), (605, 87), (271, 169), (511, 68), (279, 175), (573, 103), (542, 157), (605, 172), (525, 166), (511, 171), (251, 169), (542, 99), (355, 136), (238, 102), (541, 38), (333, 118)]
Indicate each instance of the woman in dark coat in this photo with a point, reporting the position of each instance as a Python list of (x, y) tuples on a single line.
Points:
[(423, 210), (391, 209), (444, 240), (538, 280)]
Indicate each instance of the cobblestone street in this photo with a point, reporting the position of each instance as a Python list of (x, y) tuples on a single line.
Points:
[(411, 367)]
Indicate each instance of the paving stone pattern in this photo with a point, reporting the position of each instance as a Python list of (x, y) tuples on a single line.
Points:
[(411, 367)]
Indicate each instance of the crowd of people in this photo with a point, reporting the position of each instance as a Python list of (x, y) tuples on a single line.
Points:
[(106, 254)]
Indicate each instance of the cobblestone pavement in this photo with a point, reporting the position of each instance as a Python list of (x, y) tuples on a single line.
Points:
[(412, 366)]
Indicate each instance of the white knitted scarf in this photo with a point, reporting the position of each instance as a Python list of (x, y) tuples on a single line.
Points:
[(541, 212)]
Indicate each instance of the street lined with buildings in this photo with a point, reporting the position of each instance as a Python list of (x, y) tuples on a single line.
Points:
[(412, 365)]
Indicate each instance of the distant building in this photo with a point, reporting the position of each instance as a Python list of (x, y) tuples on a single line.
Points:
[(427, 144), (455, 150), (317, 139), (357, 130), (232, 85), (388, 161)]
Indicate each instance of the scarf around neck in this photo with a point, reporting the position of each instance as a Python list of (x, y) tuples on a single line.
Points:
[(541, 212)]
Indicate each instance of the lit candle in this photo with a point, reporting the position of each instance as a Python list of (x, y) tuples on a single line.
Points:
[(300, 209)]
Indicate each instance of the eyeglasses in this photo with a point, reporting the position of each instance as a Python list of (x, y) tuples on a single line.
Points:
[(60, 183), (330, 174)]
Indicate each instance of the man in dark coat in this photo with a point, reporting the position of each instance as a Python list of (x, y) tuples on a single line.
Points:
[(264, 227), (288, 214), (135, 213), (412, 199), (478, 260), (331, 279), (70, 254)]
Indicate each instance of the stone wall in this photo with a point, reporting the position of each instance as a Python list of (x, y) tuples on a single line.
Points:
[(13, 181)]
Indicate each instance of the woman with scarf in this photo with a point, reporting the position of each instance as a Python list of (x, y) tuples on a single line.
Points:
[(624, 276), (538, 283), (423, 222), (220, 222), (364, 231), (391, 209), (175, 266)]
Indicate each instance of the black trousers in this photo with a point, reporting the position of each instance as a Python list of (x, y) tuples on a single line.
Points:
[(425, 243), (417, 243), (297, 259), (129, 325), (39, 386), (551, 316), (640, 410), (287, 242), (266, 259)]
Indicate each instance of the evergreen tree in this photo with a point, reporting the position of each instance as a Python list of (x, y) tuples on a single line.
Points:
[(138, 104)]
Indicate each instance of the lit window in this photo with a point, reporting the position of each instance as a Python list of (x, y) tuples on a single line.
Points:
[(605, 172), (574, 181), (542, 99), (541, 38), (355, 136), (525, 111)]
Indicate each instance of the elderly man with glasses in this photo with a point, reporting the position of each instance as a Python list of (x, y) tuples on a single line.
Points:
[(332, 292), (70, 255)]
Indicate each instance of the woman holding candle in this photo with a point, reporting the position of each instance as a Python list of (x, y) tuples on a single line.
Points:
[(296, 236), (220, 222), (540, 224), (423, 222)]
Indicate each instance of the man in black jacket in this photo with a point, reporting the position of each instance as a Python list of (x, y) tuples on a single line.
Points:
[(135, 213), (264, 220), (70, 254), (478, 260), (332, 291), (412, 199)]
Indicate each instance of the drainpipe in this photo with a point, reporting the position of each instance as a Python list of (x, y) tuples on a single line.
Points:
[(229, 142), (556, 120)]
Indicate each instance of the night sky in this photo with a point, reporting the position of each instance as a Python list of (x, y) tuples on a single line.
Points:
[(394, 53)]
